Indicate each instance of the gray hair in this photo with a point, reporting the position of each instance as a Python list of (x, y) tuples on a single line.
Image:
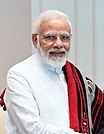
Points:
[(46, 15)]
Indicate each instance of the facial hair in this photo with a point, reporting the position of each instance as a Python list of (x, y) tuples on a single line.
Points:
[(54, 61)]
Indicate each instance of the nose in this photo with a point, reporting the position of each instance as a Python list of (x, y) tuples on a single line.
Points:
[(58, 43)]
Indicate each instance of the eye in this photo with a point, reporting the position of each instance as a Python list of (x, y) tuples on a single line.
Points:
[(65, 37), (49, 37)]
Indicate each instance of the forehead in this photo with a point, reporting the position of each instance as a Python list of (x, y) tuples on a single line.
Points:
[(55, 25)]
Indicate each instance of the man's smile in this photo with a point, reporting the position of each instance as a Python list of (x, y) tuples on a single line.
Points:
[(57, 53)]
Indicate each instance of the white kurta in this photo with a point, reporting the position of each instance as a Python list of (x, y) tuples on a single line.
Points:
[(36, 99)]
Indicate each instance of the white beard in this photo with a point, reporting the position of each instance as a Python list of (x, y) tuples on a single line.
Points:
[(54, 61)]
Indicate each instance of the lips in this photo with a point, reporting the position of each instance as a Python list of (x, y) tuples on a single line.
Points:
[(57, 53)]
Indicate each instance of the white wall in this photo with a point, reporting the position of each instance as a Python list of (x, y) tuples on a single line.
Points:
[(87, 20), (99, 42), (15, 34)]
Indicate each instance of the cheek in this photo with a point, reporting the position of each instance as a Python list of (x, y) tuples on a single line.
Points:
[(67, 47), (46, 46)]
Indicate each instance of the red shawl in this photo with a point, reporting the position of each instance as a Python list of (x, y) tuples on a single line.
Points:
[(77, 97)]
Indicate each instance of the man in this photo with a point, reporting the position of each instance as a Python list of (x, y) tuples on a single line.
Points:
[(46, 94)]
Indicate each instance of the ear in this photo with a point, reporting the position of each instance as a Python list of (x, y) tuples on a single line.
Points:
[(34, 40)]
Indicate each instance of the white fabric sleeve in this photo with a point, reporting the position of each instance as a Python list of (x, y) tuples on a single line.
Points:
[(23, 109)]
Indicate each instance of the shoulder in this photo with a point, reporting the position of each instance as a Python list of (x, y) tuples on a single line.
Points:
[(23, 65), (24, 68)]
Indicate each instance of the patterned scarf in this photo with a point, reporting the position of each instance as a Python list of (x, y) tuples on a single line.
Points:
[(77, 98)]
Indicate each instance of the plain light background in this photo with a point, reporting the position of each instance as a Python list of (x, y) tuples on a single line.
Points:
[(86, 16), (15, 34)]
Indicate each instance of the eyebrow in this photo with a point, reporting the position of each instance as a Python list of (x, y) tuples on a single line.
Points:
[(64, 32)]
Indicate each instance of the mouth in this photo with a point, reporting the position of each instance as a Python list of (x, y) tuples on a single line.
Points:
[(57, 53)]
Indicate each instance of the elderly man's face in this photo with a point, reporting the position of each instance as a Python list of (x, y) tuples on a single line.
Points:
[(54, 41), (51, 28)]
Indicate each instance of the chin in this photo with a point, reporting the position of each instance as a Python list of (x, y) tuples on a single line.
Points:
[(54, 61), (57, 62)]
